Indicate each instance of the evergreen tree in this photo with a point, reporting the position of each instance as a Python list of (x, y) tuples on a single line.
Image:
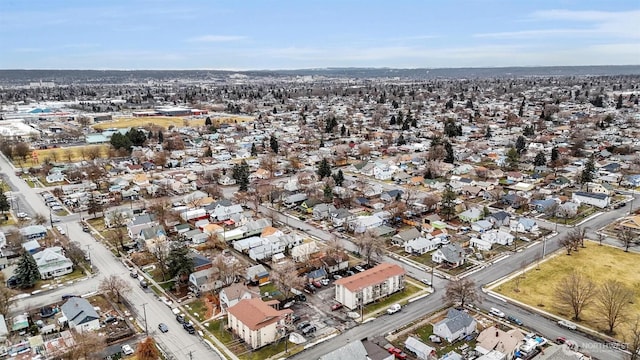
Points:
[(513, 158), (160, 136), (589, 171), (393, 120), (338, 178), (324, 169), (207, 121), (540, 159), (487, 133), (327, 192), (447, 204), (619, 103), (449, 155), (137, 137), (254, 151), (555, 155), (208, 153), (520, 144), (119, 141), (343, 130), (241, 175), (4, 203), (179, 263), (521, 111), (405, 125), (401, 141), (273, 143), (27, 271)]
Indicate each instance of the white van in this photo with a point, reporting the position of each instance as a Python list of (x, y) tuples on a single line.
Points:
[(496, 312), (394, 309)]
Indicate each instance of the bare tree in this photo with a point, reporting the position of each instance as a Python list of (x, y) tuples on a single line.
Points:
[(461, 291), (40, 219), (115, 286), (68, 154), (88, 345), (285, 277), (612, 301), (370, 246), (94, 152), (575, 292), (633, 342), (225, 270), (160, 253), (147, 350), (5, 295), (627, 237)]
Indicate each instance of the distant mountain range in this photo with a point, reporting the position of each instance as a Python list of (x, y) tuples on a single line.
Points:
[(17, 77)]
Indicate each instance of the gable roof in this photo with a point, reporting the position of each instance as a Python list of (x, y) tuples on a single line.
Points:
[(370, 277), (598, 196), (408, 235), (256, 314), (452, 252), (457, 320), (79, 311)]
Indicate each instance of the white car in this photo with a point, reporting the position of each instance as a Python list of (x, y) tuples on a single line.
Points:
[(127, 350), (22, 215), (567, 324), (496, 312), (426, 282)]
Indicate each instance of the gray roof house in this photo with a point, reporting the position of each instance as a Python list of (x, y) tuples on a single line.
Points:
[(456, 325), (450, 255), (402, 237), (80, 314)]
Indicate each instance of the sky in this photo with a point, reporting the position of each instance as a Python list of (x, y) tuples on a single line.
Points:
[(300, 34)]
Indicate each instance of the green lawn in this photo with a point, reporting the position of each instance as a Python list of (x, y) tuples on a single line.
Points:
[(197, 307), (600, 263), (398, 297)]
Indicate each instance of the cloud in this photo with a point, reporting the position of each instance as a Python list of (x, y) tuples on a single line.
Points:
[(216, 38), (536, 33)]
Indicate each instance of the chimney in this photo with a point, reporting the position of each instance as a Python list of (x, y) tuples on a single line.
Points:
[(497, 334)]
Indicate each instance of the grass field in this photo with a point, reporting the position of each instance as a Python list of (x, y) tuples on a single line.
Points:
[(600, 263), (61, 155), (166, 121)]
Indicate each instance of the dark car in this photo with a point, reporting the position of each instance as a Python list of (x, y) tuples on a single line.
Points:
[(514, 320), (143, 284), (180, 319), (295, 318), (68, 296), (309, 329), (301, 297), (303, 325), (317, 284), (47, 311), (163, 327), (12, 282), (190, 329), (109, 320), (133, 274)]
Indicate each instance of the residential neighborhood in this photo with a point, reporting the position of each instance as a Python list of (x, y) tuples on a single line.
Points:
[(259, 217)]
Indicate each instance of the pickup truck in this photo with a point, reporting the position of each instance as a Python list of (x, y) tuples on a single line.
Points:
[(394, 309)]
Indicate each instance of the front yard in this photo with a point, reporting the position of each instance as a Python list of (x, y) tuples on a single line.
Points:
[(600, 263), (399, 297)]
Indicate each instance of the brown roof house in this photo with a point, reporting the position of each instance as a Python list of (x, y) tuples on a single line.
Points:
[(257, 322), (369, 285)]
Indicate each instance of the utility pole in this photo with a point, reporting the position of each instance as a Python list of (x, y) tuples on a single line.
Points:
[(432, 287), (50, 218), (146, 328), (190, 355)]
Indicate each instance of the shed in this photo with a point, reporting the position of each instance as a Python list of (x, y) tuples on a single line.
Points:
[(420, 349)]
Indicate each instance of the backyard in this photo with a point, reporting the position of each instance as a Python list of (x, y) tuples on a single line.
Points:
[(399, 297), (600, 263)]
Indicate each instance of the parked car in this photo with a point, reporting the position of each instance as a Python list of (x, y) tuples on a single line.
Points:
[(303, 325), (127, 350), (567, 324), (394, 309), (12, 282), (47, 311), (325, 282), (68, 296), (295, 318), (397, 353), (22, 215), (350, 273), (309, 329), (496, 312), (426, 282), (317, 284), (335, 307), (143, 284), (300, 297), (163, 327), (109, 320), (514, 320), (133, 274), (337, 277), (189, 327), (359, 268), (561, 340), (180, 319)]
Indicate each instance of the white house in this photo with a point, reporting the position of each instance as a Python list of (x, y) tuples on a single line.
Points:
[(364, 223), (223, 212), (496, 339), (497, 236), (226, 180), (80, 314), (51, 263), (595, 199), (471, 215), (422, 245), (524, 225), (456, 325), (480, 244), (233, 293), (369, 285), (420, 349), (257, 322), (302, 252), (450, 255)]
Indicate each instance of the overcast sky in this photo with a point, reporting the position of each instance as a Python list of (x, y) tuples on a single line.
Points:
[(277, 34)]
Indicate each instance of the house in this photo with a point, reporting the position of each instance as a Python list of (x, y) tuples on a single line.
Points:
[(602, 188), (391, 195), (226, 180), (317, 274), (80, 314), (471, 215), (358, 350), (493, 338), (455, 326), (373, 190), (364, 223), (233, 293), (295, 199), (302, 252), (500, 218), (223, 211), (257, 274), (31, 246), (369, 285), (498, 236), (450, 255), (335, 263), (543, 206), (594, 199), (341, 217), (513, 200), (52, 263), (323, 211), (203, 281), (524, 225), (481, 226), (480, 244), (33, 232), (402, 237), (256, 322), (421, 350), (422, 245)]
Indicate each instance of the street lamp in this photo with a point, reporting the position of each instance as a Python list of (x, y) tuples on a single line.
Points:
[(146, 328)]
